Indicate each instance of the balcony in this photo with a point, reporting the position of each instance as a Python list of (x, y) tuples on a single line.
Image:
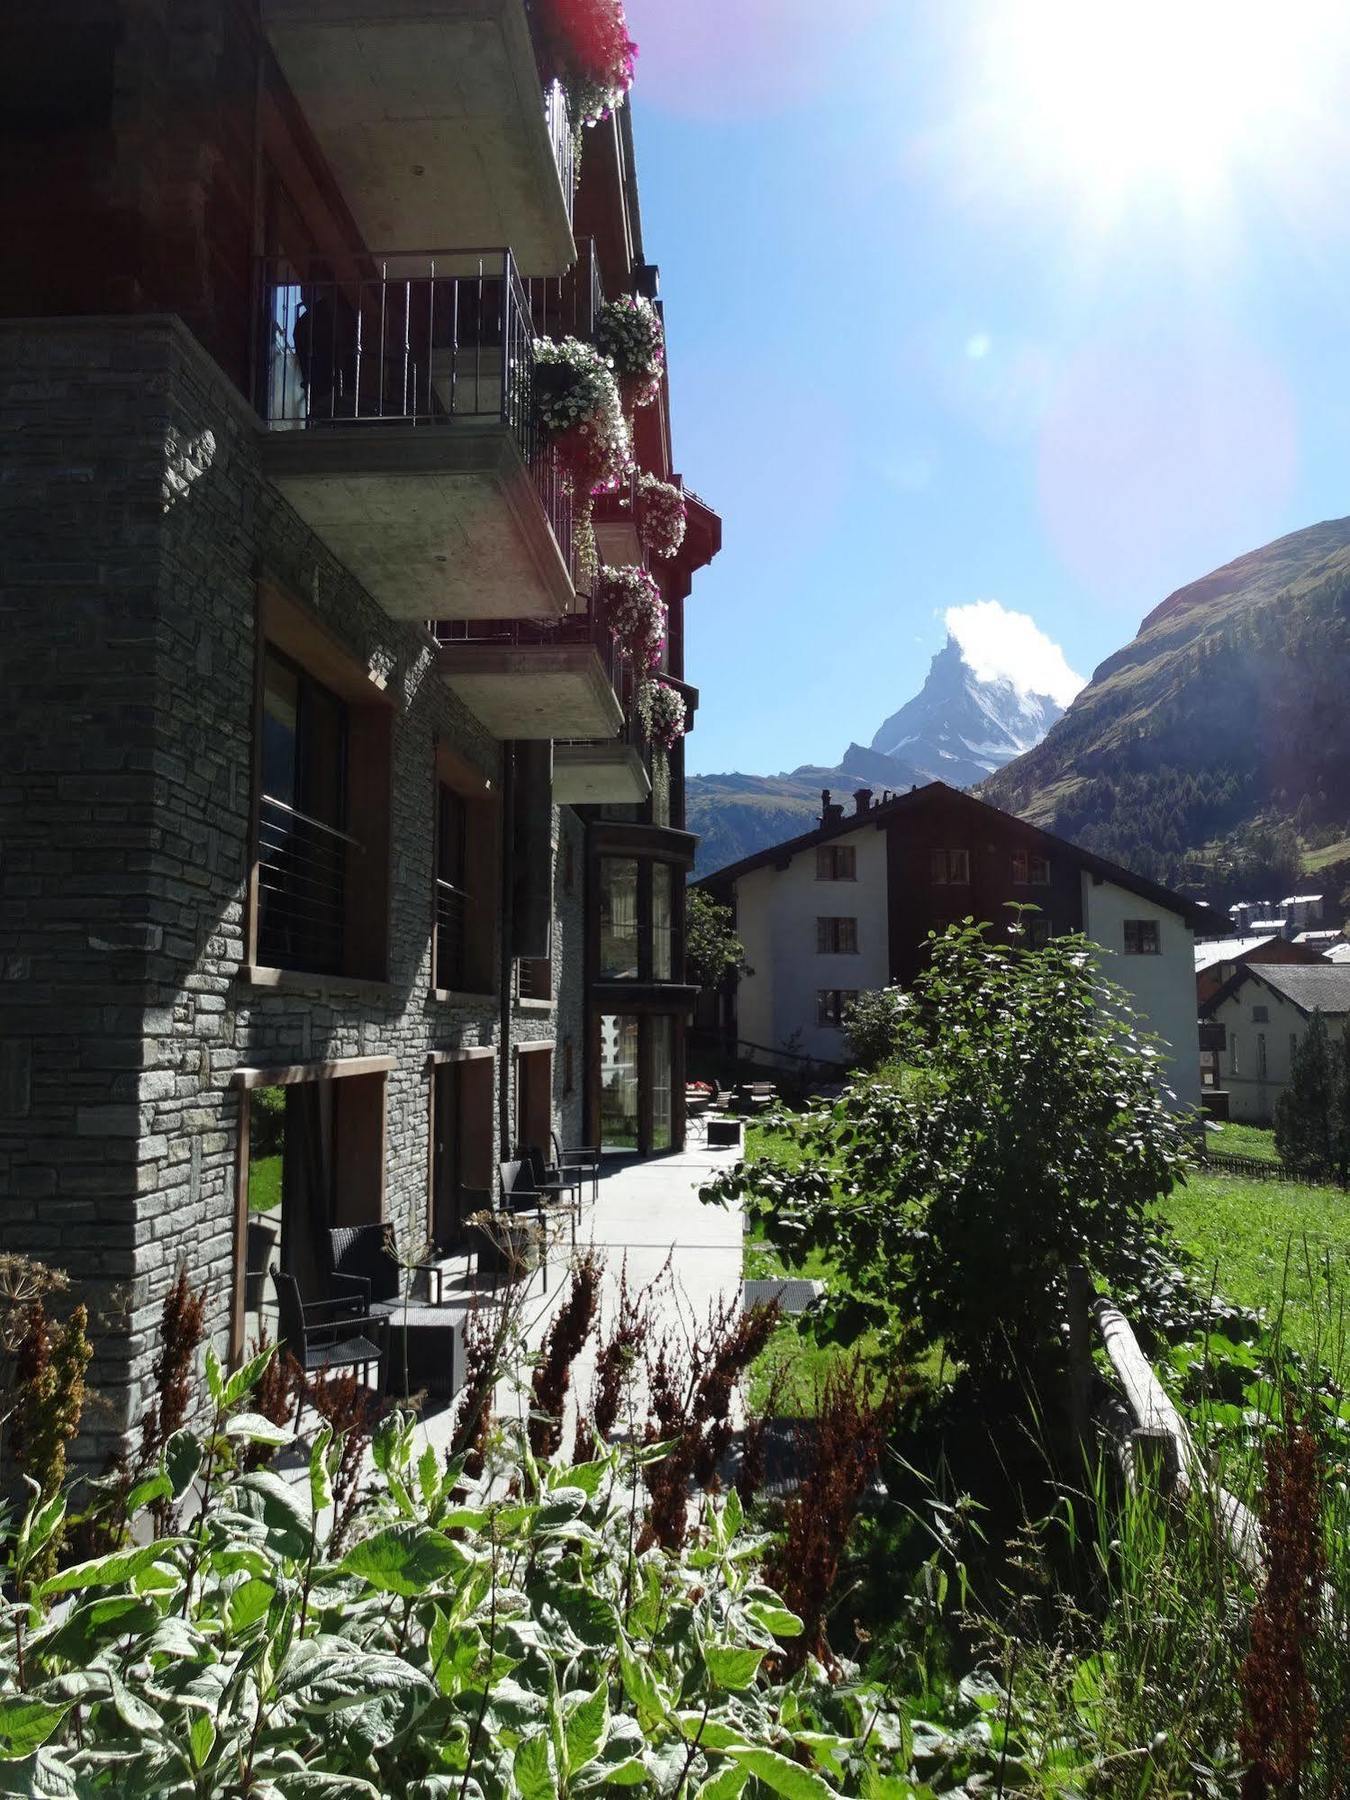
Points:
[(397, 395), (302, 886), (610, 771), (524, 678), (616, 527), (433, 121)]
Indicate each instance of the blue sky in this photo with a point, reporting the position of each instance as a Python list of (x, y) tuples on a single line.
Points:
[(969, 301)]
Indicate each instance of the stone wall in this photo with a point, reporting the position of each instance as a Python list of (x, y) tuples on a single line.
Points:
[(143, 527)]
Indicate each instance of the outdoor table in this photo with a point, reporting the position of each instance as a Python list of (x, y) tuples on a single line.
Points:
[(434, 1338)]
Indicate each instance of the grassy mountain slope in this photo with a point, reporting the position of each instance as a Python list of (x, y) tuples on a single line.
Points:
[(1213, 751)]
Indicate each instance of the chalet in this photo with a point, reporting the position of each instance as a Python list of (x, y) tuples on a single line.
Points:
[(1218, 959), (1262, 1014), (849, 906)]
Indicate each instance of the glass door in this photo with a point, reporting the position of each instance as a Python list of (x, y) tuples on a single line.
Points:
[(620, 1038)]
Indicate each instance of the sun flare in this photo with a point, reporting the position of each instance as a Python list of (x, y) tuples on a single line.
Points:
[(1135, 99)]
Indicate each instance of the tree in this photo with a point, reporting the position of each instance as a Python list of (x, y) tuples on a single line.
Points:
[(1032, 1135), (1305, 1134), (874, 1026), (712, 951)]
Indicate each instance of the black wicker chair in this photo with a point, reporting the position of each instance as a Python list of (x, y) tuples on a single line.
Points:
[(561, 1187), (583, 1161), (363, 1262), (325, 1334)]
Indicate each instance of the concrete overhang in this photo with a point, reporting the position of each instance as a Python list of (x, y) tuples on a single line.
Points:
[(601, 774), (534, 690), (441, 522), (617, 542), (432, 118)]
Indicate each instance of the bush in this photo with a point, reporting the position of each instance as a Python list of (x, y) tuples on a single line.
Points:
[(1032, 1135), (874, 1027)]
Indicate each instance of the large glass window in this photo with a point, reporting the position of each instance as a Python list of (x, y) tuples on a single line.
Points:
[(452, 888), (619, 1039), (662, 1032), (618, 918), (663, 954)]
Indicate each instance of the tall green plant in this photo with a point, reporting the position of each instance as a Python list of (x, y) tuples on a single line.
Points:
[(1305, 1113), (1033, 1135)]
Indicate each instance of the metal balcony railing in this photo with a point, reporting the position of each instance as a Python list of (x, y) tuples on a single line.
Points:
[(563, 139), (415, 339), (582, 628), (534, 978), (452, 936), (569, 305), (302, 886)]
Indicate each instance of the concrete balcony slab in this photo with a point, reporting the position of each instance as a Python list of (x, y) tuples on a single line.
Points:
[(432, 119), (599, 774), (534, 690), (436, 522)]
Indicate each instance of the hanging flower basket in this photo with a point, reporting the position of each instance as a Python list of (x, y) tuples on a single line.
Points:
[(585, 45), (633, 610), (578, 411), (661, 713), (661, 516), (629, 332)]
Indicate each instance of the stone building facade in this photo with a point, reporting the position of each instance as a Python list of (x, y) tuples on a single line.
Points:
[(153, 576)]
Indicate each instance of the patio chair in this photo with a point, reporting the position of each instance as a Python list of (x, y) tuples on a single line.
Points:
[(325, 1334), (585, 1160), (363, 1261), (561, 1185)]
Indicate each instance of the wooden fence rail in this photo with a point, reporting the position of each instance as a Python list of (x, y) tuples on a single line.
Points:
[(1254, 1166)]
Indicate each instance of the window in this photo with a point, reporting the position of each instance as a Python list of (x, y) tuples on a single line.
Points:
[(319, 880), (1142, 937), (303, 841), (452, 890), (1235, 1061), (661, 1037), (950, 868), (1039, 873), (832, 1003), (1260, 1015), (466, 881), (837, 862), (836, 937), (618, 918), (619, 1039), (534, 978), (1038, 929), (663, 954)]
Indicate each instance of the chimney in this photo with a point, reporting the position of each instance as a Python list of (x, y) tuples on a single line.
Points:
[(831, 812), (862, 801)]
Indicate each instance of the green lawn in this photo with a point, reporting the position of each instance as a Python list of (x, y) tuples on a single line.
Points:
[(264, 1183), (1272, 1242), (1328, 854), (1243, 1140)]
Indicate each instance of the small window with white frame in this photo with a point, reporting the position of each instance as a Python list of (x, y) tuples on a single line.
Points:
[(836, 862), (1143, 937), (950, 868)]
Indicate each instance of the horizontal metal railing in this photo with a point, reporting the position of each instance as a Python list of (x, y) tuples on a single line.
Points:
[(452, 919), (425, 338), (582, 628), (302, 886), (534, 978)]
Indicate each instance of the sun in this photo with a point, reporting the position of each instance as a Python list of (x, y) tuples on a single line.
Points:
[(1126, 101)]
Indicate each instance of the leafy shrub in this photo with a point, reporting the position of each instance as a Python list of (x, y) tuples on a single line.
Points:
[(874, 1027), (712, 951)]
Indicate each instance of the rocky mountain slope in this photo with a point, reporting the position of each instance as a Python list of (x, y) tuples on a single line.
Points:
[(958, 728), (1203, 751)]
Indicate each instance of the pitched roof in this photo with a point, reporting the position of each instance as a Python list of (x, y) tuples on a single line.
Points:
[(1221, 950), (1308, 986), (1194, 912)]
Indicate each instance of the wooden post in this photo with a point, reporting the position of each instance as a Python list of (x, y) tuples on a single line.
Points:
[(1080, 1353)]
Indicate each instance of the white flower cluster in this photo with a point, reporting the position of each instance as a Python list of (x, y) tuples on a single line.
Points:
[(577, 405), (629, 332), (661, 713), (662, 516), (635, 612)]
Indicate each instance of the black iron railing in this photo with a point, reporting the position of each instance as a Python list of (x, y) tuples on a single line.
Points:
[(431, 338), (582, 628), (302, 886), (563, 140), (534, 978), (569, 305), (452, 934)]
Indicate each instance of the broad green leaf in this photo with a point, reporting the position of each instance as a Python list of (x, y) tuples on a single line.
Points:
[(777, 1619), (253, 1428), (279, 1505), (26, 1723), (733, 1515), (429, 1476), (532, 1767), (649, 1699), (248, 1603), (42, 1776), (332, 1674), (320, 1479), (245, 1377), (781, 1774), (215, 1378), (108, 1571), (587, 1476), (39, 1525), (145, 1493), (726, 1784), (732, 1666), (710, 1733), (111, 1616), (201, 1739), (136, 1714), (182, 1461), (585, 1726), (404, 1559)]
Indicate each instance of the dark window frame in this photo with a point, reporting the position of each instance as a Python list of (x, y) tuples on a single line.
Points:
[(1143, 937)]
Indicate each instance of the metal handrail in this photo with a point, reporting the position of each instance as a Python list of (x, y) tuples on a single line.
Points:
[(317, 824)]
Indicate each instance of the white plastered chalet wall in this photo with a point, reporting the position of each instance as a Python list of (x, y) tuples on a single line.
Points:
[(1162, 987), (1254, 1082), (776, 912)]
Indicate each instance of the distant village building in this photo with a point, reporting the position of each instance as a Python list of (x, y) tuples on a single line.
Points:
[(1263, 1013), (849, 906), (1218, 959)]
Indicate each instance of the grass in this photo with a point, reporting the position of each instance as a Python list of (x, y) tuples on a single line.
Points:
[(264, 1183), (1328, 854), (1243, 1140), (1268, 1238)]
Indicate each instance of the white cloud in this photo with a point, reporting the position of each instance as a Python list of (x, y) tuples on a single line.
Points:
[(999, 643)]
